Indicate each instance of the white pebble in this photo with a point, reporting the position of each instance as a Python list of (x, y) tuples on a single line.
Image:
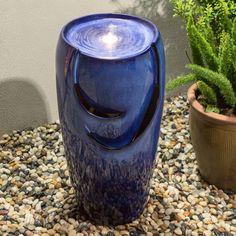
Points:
[(4, 228), (207, 233), (168, 211), (29, 219), (191, 199), (178, 231), (38, 206)]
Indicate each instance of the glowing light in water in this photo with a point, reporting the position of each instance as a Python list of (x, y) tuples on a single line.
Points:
[(109, 39)]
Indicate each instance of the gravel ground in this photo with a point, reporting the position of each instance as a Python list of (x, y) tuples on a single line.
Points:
[(36, 197)]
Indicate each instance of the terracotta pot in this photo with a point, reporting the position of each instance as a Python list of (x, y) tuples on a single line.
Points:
[(214, 141)]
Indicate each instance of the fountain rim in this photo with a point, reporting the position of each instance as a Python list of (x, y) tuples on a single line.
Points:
[(156, 33)]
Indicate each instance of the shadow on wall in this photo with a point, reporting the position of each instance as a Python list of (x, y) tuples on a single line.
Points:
[(21, 105), (160, 12)]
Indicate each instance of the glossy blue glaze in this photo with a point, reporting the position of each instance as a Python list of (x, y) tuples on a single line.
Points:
[(110, 99)]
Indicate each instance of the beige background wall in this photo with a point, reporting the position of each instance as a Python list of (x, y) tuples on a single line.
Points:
[(28, 35)]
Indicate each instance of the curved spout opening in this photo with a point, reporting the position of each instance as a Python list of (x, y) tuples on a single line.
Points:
[(118, 143), (93, 108)]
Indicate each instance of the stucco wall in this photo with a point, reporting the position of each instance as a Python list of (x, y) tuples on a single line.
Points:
[(28, 37)]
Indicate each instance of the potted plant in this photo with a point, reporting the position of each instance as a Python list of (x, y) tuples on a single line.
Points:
[(211, 30)]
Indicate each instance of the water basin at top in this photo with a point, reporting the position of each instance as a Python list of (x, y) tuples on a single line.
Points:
[(110, 36)]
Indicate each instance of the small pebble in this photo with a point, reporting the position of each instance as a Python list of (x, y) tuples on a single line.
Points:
[(72, 233), (178, 231)]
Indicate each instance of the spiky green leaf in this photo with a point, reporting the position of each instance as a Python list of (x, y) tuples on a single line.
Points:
[(217, 79), (233, 33), (179, 81), (206, 50), (226, 51), (196, 53), (207, 92)]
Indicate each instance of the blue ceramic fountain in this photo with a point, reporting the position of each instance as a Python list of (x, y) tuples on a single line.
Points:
[(110, 72)]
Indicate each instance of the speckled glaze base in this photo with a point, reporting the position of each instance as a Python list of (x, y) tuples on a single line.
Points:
[(110, 107)]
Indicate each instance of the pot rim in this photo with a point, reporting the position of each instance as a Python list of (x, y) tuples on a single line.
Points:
[(211, 116)]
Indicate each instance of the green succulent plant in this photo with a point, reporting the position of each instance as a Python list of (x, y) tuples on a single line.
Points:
[(211, 31)]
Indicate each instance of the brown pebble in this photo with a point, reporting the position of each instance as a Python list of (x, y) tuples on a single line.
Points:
[(3, 212), (51, 231), (179, 217), (186, 213), (120, 227), (221, 193), (221, 229), (43, 152), (163, 227), (155, 216)]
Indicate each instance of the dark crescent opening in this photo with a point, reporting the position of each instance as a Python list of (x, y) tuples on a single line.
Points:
[(94, 108), (113, 144)]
